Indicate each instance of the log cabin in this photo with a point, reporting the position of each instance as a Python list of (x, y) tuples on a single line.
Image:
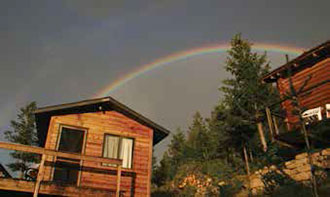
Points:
[(91, 147), (310, 76)]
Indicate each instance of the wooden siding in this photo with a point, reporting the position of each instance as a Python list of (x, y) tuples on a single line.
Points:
[(135, 181), (316, 98)]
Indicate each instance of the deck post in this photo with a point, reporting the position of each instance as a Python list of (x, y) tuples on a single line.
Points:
[(40, 176), (118, 180), (277, 131), (270, 123)]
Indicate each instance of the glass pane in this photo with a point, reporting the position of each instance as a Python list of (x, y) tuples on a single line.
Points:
[(66, 172), (71, 140), (111, 145), (126, 152)]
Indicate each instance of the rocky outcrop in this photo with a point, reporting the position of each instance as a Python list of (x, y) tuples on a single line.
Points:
[(298, 170)]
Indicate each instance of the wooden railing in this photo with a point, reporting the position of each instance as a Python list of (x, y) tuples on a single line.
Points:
[(48, 152)]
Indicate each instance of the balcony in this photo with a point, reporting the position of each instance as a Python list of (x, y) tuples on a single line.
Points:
[(286, 129), (39, 186)]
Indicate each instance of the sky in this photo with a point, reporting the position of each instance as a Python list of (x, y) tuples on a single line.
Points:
[(54, 52)]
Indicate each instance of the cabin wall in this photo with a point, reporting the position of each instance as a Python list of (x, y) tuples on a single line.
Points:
[(316, 98), (135, 181)]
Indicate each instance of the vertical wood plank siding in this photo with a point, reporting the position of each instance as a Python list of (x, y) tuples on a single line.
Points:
[(97, 124), (316, 98)]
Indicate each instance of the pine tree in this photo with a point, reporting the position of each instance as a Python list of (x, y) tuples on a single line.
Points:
[(245, 95), (201, 142), (23, 132), (176, 148), (163, 172)]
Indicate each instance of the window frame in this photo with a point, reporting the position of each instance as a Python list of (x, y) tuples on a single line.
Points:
[(119, 148), (60, 128)]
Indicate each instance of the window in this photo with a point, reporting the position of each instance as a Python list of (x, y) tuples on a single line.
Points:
[(116, 147), (67, 170)]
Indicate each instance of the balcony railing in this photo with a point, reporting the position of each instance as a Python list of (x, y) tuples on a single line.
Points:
[(47, 152)]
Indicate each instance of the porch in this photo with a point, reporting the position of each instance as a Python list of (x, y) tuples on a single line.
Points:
[(60, 189)]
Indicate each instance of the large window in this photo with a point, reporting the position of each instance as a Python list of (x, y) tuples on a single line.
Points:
[(67, 170), (116, 147)]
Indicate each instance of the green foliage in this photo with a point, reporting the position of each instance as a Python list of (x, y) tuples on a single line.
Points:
[(280, 185), (163, 173), (23, 132), (244, 94), (188, 191), (234, 187), (213, 147), (163, 191), (271, 157), (176, 148), (202, 142)]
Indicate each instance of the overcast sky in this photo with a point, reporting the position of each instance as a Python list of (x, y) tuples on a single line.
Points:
[(54, 52)]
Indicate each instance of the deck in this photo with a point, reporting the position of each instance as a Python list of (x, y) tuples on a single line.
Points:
[(52, 188)]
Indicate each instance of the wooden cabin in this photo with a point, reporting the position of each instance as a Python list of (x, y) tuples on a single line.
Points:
[(89, 131), (310, 73)]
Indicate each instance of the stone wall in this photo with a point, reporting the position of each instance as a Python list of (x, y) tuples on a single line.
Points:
[(297, 170)]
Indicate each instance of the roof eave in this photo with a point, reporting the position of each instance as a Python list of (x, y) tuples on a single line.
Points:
[(314, 52), (117, 106)]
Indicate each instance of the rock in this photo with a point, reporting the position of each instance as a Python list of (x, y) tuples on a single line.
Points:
[(316, 155), (302, 176), (287, 171), (273, 167), (256, 183), (304, 168), (301, 156), (326, 152)]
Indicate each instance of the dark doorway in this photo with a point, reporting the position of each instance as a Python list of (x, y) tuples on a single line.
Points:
[(67, 170)]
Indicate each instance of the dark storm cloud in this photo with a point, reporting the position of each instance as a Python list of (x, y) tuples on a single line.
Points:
[(61, 51)]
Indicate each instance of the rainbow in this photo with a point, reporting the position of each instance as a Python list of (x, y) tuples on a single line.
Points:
[(183, 55)]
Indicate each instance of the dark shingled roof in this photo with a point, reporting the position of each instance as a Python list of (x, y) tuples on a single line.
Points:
[(44, 114), (306, 59)]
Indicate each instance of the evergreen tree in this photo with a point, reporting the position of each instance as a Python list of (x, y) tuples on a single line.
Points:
[(217, 125), (245, 95), (23, 132), (176, 148), (163, 172), (197, 127), (154, 166), (201, 142)]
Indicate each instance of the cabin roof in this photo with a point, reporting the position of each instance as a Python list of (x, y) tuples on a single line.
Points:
[(44, 114), (306, 59)]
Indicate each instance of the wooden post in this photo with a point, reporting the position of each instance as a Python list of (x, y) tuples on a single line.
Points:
[(246, 160), (40, 176), (260, 130), (118, 181), (262, 136), (277, 131), (270, 123), (251, 155)]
